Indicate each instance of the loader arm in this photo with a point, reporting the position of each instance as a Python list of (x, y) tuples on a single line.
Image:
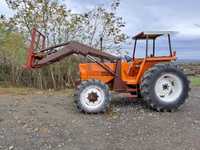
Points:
[(71, 48), (37, 58)]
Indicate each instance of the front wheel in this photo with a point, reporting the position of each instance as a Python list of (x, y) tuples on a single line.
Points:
[(164, 87), (92, 96)]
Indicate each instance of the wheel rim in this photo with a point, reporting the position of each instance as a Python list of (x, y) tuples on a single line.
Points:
[(92, 97), (168, 87)]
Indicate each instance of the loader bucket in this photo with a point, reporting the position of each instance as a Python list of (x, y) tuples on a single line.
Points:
[(37, 43)]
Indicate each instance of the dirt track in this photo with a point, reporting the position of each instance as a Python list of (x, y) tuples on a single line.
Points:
[(49, 121)]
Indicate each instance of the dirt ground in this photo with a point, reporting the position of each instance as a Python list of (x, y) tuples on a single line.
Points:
[(48, 120)]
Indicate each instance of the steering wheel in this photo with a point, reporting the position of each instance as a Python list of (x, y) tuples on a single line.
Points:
[(128, 58)]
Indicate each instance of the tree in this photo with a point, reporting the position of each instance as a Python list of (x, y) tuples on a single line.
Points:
[(103, 22), (12, 51), (59, 24)]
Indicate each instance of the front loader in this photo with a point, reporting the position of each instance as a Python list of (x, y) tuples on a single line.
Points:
[(161, 83)]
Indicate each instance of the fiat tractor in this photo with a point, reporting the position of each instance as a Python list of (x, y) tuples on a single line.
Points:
[(155, 78)]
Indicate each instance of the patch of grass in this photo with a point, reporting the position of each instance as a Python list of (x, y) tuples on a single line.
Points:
[(16, 90), (67, 92), (28, 91), (195, 80)]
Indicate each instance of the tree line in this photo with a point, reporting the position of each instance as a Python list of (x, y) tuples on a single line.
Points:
[(59, 24)]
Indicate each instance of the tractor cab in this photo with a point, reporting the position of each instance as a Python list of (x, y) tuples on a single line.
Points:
[(134, 67), (151, 37)]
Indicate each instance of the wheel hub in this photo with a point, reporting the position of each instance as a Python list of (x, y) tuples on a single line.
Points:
[(92, 97), (168, 87), (165, 86)]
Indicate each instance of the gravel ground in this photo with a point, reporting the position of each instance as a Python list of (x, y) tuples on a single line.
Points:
[(48, 120)]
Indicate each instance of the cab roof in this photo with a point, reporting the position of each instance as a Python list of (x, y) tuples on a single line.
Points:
[(151, 35)]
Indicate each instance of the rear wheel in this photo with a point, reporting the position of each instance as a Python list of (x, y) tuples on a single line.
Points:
[(164, 87), (92, 96)]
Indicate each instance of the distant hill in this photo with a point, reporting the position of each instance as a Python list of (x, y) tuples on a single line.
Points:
[(188, 61)]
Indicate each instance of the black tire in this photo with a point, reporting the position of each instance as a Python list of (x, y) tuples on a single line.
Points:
[(83, 104), (148, 87)]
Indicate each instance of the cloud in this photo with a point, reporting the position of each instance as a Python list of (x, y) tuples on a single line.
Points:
[(144, 15), (161, 15), (150, 15), (5, 10), (80, 6), (154, 15)]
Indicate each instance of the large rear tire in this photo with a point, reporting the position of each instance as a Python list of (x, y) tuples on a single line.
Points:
[(92, 96), (164, 87)]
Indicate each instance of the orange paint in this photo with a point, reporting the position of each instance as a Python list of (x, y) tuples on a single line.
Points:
[(131, 72)]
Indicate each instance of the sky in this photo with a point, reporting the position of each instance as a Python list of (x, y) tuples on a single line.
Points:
[(182, 16)]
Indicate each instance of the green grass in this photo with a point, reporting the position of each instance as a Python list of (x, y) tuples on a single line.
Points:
[(28, 91), (195, 80)]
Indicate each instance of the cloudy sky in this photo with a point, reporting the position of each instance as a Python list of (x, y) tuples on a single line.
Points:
[(182, 16)]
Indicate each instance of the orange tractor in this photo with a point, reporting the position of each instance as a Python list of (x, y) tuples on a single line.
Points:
[(161, 84)]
